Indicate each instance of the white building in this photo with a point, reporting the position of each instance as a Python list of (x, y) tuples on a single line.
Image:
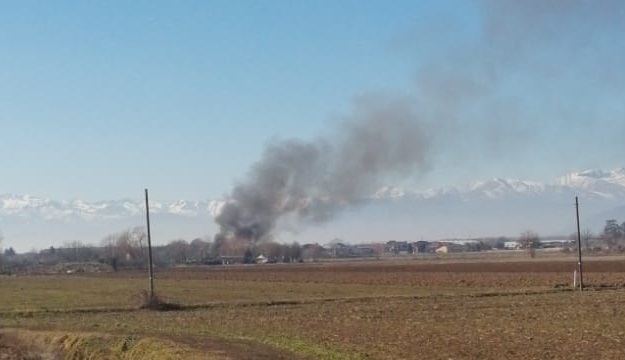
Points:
[(511, 245)]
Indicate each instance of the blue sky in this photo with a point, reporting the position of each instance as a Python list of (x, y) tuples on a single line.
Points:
[(101, 99)]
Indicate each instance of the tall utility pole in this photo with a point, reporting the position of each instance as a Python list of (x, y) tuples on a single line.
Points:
[(579, 247), (150, 270)]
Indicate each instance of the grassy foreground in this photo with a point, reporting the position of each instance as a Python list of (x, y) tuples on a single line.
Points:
[(377, 310), (31, 345)]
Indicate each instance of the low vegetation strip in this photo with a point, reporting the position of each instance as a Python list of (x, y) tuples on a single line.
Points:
[(22, 344), (14, 347), (38, 345)]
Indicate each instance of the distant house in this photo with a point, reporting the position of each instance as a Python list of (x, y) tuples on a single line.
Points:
[(420, 247), (511, 245), (473, 245), (398, 247), (450, 248), (556, 243), (364, 251), (261, 259), (340, 250)]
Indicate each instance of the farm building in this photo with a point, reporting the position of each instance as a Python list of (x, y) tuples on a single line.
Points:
[(511, 245), (450, 248), (420, 247), (398, 247), (556, 243)]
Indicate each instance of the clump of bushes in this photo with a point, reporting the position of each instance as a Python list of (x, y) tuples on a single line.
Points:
[(155, 302)]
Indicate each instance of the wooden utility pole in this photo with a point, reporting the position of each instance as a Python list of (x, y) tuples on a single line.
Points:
[(150, 270), (579, 247)]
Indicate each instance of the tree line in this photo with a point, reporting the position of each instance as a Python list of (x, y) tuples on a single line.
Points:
[(127, 249), (610, 239)]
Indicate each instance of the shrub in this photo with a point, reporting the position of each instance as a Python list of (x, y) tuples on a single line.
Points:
[(155, 302)]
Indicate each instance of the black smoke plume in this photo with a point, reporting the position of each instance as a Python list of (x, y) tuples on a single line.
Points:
[(312, 180), (532, 72)]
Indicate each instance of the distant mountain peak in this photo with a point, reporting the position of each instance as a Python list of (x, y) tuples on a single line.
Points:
[(607, 184), (593, 182), (593, 173), (590, 183), (488, 207), (29, 206)]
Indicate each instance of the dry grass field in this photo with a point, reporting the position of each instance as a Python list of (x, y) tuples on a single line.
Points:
[(516, 308)]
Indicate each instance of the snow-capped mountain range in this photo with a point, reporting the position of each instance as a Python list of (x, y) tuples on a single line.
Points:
[(493, 207), (47, 209), (588, 184)]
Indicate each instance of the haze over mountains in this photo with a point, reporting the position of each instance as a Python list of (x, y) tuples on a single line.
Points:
[(483, 208)]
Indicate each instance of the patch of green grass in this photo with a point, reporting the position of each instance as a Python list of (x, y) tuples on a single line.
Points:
[(300, 346)]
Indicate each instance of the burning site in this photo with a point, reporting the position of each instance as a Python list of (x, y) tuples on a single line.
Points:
[(308, 182), (429, 219), (462, 109)]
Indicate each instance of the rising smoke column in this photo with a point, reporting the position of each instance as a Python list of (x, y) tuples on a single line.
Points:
[(526, 72), (312, 180)]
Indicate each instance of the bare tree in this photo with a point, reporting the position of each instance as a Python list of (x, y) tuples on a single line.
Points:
[(131, 243), (199, 250), (233, 247), (378, 250), (312, 252), (587, 235), (177, 251), (1, 239), (126, 248), (77, 251), (111, 254), (139, 237), (295, 252), (530, 241)]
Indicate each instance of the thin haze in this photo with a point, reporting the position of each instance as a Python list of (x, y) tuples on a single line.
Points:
[(537, 85)]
